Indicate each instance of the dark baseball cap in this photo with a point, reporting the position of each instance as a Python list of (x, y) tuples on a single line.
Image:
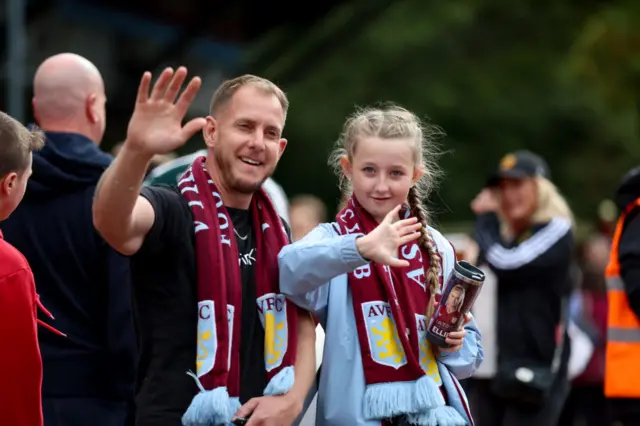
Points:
[(520, 165)]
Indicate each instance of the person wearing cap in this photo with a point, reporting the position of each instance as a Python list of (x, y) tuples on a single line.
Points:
[(524, 228)]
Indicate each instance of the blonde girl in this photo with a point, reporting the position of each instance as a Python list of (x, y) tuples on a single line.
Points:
[(374, 278)]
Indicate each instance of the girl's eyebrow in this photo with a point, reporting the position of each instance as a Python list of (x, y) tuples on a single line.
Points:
[(393, 166)]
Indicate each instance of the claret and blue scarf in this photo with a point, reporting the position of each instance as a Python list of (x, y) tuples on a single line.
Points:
[(220, 301)]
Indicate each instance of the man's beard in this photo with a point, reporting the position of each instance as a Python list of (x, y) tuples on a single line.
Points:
[(243, 187)]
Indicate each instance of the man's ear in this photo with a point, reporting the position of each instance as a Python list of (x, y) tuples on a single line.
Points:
[(283, 144), (8, 183), (347, 167), (90, 106), (209, 131)]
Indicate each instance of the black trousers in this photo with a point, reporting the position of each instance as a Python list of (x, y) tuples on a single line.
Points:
[(586, 406), (625, 411), (86, 412), (488, 409)]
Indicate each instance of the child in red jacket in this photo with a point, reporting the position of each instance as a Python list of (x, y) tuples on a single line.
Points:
[(20, 362)]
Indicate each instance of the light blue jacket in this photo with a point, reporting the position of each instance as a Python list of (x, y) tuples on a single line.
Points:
[(313, 273)]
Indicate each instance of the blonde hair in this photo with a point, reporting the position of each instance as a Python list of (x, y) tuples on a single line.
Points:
[(394, 122), (550, 204), (227, 89), (16, 144)]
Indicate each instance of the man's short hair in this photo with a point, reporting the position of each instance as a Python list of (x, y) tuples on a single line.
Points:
[(227, 89), (16, 144)]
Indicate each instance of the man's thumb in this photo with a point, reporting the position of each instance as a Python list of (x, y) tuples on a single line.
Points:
[(247, 408), (192, 127)]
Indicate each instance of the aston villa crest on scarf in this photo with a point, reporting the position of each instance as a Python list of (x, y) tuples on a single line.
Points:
[(382, 334), (207, 337), (427, 358), (273, 315)]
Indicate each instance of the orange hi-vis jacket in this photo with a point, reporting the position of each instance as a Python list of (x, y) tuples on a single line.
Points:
[(622, 368)]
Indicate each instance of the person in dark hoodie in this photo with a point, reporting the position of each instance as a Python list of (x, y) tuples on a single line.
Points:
[(622, 370), (88, 377)]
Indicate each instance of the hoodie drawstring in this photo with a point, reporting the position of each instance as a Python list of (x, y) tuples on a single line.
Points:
[(47, 313)]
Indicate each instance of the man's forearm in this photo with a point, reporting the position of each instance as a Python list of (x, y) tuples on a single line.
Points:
[(305, 366), (118, 191)]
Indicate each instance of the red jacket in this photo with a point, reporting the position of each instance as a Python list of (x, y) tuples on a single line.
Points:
[(20, 362)]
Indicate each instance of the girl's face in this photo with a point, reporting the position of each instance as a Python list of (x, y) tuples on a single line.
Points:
[(382, 171)]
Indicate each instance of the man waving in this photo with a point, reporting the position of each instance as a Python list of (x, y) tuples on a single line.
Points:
[(204, 259)]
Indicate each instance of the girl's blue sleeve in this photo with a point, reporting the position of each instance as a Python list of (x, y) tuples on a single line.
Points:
[(308, 265), (464, 362)]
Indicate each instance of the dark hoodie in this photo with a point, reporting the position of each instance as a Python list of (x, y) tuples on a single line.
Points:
[(80, 279), (629, 250)]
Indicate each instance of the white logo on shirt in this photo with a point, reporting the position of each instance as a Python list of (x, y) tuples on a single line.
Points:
[(247, 259)]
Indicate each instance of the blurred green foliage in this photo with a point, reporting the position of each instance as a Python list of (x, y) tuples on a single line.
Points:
[(558, 77)]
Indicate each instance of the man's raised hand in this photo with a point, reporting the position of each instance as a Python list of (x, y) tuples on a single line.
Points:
[(156, 126)]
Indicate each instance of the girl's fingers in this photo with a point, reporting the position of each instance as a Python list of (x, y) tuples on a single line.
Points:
[(410, 229), (410, 237), (405, 222)]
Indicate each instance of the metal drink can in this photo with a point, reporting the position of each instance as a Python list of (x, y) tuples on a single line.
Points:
[(460, 293)]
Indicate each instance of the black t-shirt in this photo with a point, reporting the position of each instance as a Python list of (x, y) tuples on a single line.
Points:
[(165, 297)]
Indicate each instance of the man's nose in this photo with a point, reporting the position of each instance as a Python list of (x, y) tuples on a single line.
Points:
[(257, 140)]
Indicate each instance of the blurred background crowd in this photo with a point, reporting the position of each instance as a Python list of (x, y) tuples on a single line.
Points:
[(559, 78)]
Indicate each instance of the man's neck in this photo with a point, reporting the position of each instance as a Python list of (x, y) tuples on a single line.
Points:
[(230, 198), (67, 128)]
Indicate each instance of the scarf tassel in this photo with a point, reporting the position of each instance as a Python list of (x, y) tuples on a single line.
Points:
[(281, 383), (439, 416), (210, 407), (386, 400), (422, 398)]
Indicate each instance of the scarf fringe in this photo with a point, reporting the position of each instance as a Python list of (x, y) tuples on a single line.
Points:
[(210, 408), (427, 395), (439, 416), (386, 400), (281, 383)]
